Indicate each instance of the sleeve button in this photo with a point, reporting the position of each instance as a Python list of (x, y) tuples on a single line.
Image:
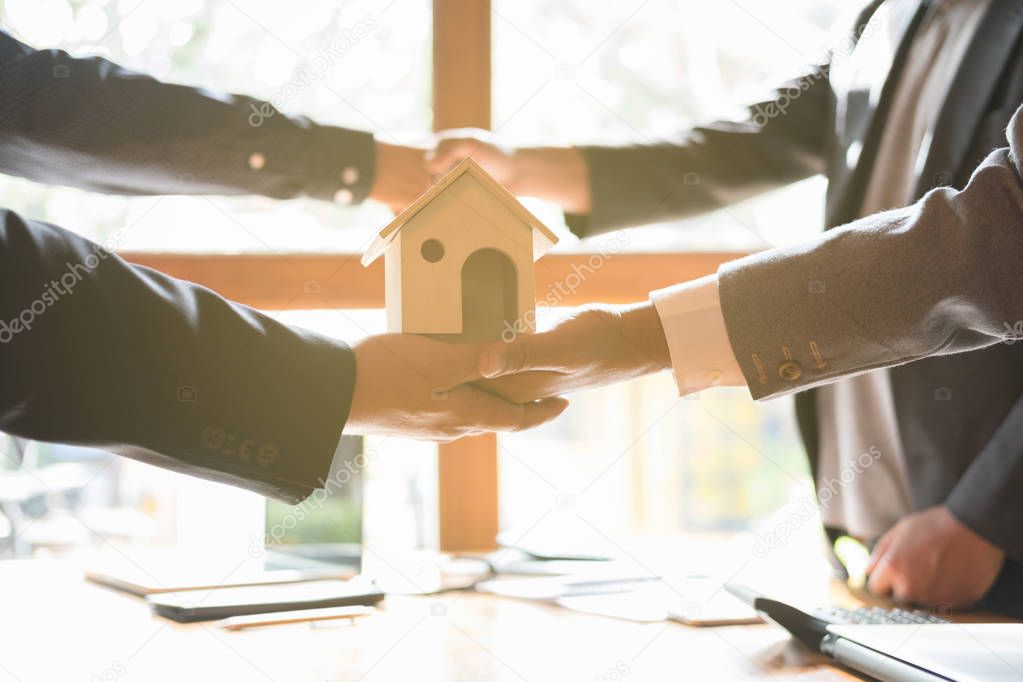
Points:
[(213, 437), (790, 370), (267, 454), (350, 175), (245, 450), (257, 161), (344, 196)]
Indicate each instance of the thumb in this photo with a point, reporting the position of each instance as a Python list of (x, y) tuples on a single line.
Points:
[(541, 411), (555, 351), (511, 357), (481, 411), (882, 578)]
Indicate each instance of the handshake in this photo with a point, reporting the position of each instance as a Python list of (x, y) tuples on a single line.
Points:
[(557, 174), (420, 387)]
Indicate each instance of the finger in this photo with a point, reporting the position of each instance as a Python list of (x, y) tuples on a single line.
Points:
[(879, 550), (525, 352), (902, 590), (481, 410), (542, 411), (460, 363), (499, 359), (528, 386), (882, 579)]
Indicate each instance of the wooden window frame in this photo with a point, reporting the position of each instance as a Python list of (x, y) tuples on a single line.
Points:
[(468, 468)]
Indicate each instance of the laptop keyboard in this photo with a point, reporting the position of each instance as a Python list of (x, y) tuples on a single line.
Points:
[(876, 616)]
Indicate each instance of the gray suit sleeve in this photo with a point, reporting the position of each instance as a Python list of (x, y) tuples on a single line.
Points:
[(780, 140), (938, 277)]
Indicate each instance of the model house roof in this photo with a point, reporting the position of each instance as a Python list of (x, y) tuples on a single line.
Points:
[(543, 238)]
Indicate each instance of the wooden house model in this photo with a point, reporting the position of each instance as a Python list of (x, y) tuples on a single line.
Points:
[(459, 259)]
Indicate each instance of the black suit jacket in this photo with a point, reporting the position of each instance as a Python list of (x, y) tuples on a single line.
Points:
[(92, 124), (95, 351), (98, 352), (956, 413)]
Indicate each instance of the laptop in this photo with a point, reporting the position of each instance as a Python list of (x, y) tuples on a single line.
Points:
[(970, 652), (897, 645), (319, 539)]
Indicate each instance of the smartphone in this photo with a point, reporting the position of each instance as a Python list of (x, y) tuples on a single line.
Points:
[(197, 605)]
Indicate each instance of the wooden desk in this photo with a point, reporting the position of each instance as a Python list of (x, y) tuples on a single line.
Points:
[(55, 626)]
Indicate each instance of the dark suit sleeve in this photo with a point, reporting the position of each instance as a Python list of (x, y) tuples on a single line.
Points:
[(987, 498), (781, 140), (92, 124), (97, 352)]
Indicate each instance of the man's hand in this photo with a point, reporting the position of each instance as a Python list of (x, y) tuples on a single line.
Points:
[(558, 174), (413, 386), (592, 347), (461, 143), (930, 557), (401, 175)]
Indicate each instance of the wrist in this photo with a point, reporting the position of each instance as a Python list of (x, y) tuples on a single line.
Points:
[(358, 406), (558, 174), (642, 325)]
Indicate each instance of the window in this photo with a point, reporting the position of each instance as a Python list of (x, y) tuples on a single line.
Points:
[(379, 82), (575, 72), (631, 457)]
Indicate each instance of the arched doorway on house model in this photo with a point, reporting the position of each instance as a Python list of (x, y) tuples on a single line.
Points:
[(489, 295)]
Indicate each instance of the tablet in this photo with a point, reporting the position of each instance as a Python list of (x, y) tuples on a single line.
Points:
[(223, 602)]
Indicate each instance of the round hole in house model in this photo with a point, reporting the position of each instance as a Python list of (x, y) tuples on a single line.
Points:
[(432, 250)]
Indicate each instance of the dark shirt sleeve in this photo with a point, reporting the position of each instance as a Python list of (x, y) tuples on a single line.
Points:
[(95, 351), (987, 498), (781, 140), (92, 124)]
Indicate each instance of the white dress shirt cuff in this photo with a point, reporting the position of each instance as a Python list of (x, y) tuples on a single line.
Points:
[(694, 327)]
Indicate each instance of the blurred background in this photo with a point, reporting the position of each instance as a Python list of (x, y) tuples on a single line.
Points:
[(629, 459)]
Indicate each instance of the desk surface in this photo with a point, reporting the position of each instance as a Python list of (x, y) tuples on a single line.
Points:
[(56, 626)]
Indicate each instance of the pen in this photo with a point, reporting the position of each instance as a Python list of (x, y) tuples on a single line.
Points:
[(302, 616)]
